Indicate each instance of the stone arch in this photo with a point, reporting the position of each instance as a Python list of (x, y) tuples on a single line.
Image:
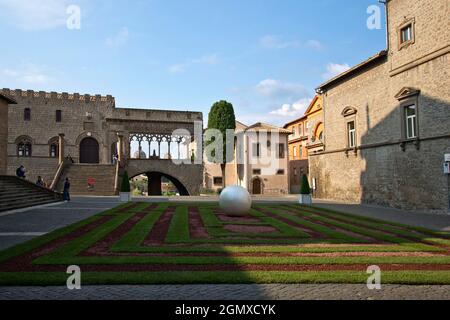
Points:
[(89, 151), (349, 111), (188, 175), (89, 134)]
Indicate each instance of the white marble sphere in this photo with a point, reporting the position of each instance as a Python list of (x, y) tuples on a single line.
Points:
[(235, 201)]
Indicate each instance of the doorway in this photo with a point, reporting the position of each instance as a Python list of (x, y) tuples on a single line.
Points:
[(89, 151)]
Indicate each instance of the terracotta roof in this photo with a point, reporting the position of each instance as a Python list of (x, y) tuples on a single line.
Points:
[(295, 121), (351, 71), (268, 127), (8, 99)]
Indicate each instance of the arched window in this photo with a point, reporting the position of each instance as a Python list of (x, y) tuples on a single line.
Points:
[(24, 147), (53, 147), (54, 150)]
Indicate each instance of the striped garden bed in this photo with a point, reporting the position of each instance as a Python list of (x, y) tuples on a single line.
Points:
[(143, 243)]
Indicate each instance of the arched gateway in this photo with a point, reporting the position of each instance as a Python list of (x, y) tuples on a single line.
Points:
[(89, 151)]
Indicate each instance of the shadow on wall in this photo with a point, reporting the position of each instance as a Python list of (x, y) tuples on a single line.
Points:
[(408, 173)]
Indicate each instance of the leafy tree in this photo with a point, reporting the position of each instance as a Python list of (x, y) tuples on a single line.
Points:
[(125, 186), (222, 118), (305, 189)]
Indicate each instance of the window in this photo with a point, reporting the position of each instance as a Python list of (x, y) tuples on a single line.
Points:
[(257, 172), (295, 152), (24, 149), (257, 150), (27, 114), (406, 34), (281, 151), (54, 150), (411, 122), (351, 129), (218, 181), (58, 115), (306, 128), (301, 152), (280, 172), (294, 131)]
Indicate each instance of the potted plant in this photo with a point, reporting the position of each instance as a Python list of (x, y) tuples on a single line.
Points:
[(305, 192), (125, 190)]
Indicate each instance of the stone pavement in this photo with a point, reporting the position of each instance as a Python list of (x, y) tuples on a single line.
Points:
[(23, 225), (229, 292)]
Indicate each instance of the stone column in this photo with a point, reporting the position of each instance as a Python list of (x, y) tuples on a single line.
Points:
[(61, 148), (120, 148)]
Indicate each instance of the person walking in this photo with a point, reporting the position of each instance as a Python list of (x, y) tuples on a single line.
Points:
[(66, 192)]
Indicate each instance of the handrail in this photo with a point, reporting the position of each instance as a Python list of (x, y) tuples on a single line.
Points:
[(58, 173), (116, 178)]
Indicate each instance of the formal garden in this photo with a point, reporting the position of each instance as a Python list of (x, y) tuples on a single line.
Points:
[(176, 243)]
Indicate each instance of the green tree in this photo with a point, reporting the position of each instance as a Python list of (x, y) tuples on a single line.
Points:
[(222, 118), (305, 189), (125, 186)]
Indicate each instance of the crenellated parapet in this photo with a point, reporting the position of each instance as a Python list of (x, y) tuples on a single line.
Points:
[(74, 97)]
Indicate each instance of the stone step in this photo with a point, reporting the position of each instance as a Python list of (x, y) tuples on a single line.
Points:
[(17, 194)]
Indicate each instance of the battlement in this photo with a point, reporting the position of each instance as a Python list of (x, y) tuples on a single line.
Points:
[(18, 93)]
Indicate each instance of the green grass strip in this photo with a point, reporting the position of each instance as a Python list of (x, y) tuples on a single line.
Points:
[(141, 230), (381, 225), (319, 228), (107, 260), (43, 240), (81, 244), (179, 226), (285, 229), (260, 277)]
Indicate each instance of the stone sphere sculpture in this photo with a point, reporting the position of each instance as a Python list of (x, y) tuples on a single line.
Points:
[(235, 201)]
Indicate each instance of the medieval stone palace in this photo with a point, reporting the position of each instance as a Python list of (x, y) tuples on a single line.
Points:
[(84, 137)]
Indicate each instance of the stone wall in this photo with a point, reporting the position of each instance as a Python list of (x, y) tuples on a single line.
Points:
[(83, 116), (3, 135), (386, 168)]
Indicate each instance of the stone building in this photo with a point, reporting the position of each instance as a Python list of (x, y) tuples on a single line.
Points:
[(298, 153), (306, 137), (387, 120), (83, 137), (4, 103), (261, 162)]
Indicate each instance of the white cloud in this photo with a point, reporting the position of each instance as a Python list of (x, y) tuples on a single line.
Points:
[(276, 42), (293, 110), (120, 39), (210, 59), (277, 89), (334, 69), (177, 68), (315, 44), (35, 15), (27, 74)]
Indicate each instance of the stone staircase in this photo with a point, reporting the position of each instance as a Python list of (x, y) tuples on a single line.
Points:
[(102, 178), (16, 193)]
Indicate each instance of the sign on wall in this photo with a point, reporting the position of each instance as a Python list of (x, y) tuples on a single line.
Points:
[(447, 157)]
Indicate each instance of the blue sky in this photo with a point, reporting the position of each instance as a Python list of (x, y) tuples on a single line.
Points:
[(264, 56)]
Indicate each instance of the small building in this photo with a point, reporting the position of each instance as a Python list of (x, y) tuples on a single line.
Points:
[(261, 162), (298, 153)]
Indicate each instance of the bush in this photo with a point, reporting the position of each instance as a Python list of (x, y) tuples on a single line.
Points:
[(305, 189), (125, 186)]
